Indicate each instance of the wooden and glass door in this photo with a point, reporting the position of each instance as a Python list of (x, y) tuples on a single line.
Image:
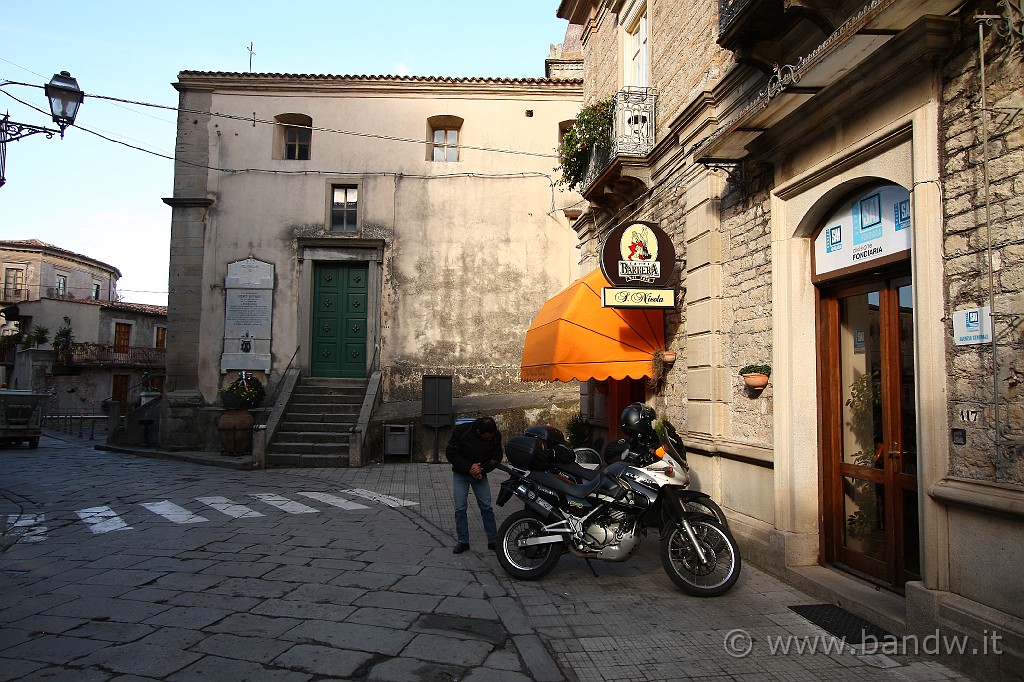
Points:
[(339, 320), (869, 427)]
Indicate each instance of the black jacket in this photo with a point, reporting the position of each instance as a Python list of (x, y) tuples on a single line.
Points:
[(466, 448)]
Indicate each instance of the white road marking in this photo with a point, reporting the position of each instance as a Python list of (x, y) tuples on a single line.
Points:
[(173, 512), (377, 497), (333, 500), (34, 530), (102, 519), (284, 504), (226, 506)]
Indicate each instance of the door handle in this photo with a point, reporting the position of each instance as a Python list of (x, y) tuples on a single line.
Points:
[(894, 451)]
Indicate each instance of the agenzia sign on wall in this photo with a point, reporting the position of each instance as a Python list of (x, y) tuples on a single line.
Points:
[(874, 225), (638, 260)]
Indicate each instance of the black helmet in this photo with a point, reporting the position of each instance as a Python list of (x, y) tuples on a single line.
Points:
[(637, 421)]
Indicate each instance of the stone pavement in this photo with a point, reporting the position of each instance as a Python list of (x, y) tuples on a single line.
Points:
[(123, 567)]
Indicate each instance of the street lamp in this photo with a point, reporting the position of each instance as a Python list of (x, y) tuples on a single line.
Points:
[(65, 97)]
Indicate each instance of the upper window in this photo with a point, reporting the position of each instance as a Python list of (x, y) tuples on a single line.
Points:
[(293, 136), (122, 337), (14, 285), (637, 73), (160, 337), (62, 286), (444, 133), (95, 291), (343, 207)]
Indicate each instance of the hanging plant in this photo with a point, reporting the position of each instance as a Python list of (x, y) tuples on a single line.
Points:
[(593, 128)]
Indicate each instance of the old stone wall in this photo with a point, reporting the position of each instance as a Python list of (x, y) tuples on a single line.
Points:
[(972, 403), (747, 314)]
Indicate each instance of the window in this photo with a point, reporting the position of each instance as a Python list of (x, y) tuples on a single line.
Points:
[(14, 285), (293, 136), (443, 142), (343, 208), (95, 291), (160, 341), (637, 72), (122, 337), (62, 286)]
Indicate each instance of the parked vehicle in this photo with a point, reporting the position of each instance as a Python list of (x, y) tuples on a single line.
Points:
[(604, 513), (21, 417)]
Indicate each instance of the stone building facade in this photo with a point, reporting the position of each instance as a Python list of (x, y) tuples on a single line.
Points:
[(822, 173), (434, 200)]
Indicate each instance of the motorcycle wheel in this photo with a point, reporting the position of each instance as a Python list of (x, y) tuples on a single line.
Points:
[(680, 560), (705, 505), (525, 563)]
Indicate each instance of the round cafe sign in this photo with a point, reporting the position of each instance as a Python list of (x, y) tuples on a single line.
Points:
[(638, 254)]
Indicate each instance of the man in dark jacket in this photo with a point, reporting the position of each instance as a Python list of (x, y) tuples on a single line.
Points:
[(474, 449)]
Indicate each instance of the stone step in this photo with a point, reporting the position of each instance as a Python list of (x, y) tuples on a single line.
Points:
[(337, 438), (306, 460), (353, 402), (336, 426), (308, 448)]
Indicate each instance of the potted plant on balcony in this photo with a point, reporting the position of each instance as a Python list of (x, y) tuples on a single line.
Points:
[(235, 424), (593, 128), (63, 341), (756, 376)]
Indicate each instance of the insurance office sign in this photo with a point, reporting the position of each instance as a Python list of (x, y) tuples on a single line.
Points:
[(638, 260)]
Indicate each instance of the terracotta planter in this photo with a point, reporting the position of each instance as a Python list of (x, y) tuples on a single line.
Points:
[(756, 381), (235, 427)]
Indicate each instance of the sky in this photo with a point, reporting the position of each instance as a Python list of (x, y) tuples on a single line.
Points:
[(103, 198)]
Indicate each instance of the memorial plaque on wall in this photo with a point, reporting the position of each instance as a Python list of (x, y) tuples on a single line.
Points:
[(248, 314)]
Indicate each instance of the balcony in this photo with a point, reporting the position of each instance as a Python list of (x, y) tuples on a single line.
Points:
[(14, 294), (107, 355), (633, 126)]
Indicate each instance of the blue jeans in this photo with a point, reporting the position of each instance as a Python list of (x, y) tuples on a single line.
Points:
[(461, 484)]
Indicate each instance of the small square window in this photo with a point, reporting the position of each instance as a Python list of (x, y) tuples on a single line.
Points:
[(446, 144), (344, 201)]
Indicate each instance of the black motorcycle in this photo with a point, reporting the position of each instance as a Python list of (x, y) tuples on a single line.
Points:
[(604, 513)]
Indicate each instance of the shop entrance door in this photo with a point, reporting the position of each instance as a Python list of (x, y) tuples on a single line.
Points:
[(339, 320), (869, 430)]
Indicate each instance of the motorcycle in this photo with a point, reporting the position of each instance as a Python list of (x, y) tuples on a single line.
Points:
[(604, 513)]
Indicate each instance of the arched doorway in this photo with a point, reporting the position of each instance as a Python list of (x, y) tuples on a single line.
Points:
[(866, 396)]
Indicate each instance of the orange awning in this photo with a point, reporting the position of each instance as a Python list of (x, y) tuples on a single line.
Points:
[(573, 337)]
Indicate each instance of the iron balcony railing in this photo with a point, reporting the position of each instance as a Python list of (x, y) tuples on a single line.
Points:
[(729, 11), (15, 294), (632, 130), (101, 354)]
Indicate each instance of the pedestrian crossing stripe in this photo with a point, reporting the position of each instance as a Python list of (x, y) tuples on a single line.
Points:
[(173, 512), (103, 519), (377, 497)]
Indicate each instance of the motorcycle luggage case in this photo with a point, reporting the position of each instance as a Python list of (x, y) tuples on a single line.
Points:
[(548, 434), (526, 452)]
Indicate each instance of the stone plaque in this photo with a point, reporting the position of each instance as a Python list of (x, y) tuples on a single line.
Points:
[(248, 315)]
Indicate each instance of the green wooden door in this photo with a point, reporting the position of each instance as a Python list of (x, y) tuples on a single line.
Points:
[(339, 321)]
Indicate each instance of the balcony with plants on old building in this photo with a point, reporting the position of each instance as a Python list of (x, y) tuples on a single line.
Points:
[(603, 154)]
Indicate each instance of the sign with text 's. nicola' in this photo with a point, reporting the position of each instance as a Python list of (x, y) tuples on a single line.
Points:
[(872, 225), (638, 260)]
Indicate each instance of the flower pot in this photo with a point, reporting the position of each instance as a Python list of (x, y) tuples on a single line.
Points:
[(755, 381), (235, 428)]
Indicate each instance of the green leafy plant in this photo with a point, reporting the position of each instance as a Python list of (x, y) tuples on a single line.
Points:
[(37, 336), (756, 369), (63, 340), (244, 393), (577, 430), (592, 129)]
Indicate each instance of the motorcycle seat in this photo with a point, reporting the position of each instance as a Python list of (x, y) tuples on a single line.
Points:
[(576, 471), (554, 482)]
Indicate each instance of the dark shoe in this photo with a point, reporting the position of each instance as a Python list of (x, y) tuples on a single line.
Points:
[(460, 548), (490, 545)]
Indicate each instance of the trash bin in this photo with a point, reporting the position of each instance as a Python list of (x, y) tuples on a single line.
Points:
[(398, 440)]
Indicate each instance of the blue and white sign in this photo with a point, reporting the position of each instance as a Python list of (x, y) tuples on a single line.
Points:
[(972, 326), (872, 225)]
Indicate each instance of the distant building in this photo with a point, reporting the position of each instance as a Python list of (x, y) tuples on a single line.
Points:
[(375, 228), (113, 343)]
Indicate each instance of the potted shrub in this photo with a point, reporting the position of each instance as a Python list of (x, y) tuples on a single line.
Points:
[(756, 376), (593, 128), (235, 424)]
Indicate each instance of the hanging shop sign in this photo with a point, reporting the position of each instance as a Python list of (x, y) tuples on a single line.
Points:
[(873, 226), (638, 260)]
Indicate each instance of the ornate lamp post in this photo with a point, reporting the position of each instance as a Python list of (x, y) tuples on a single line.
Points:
[(65, 97)]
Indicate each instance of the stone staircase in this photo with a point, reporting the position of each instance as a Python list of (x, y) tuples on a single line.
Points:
[(315, 427)]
